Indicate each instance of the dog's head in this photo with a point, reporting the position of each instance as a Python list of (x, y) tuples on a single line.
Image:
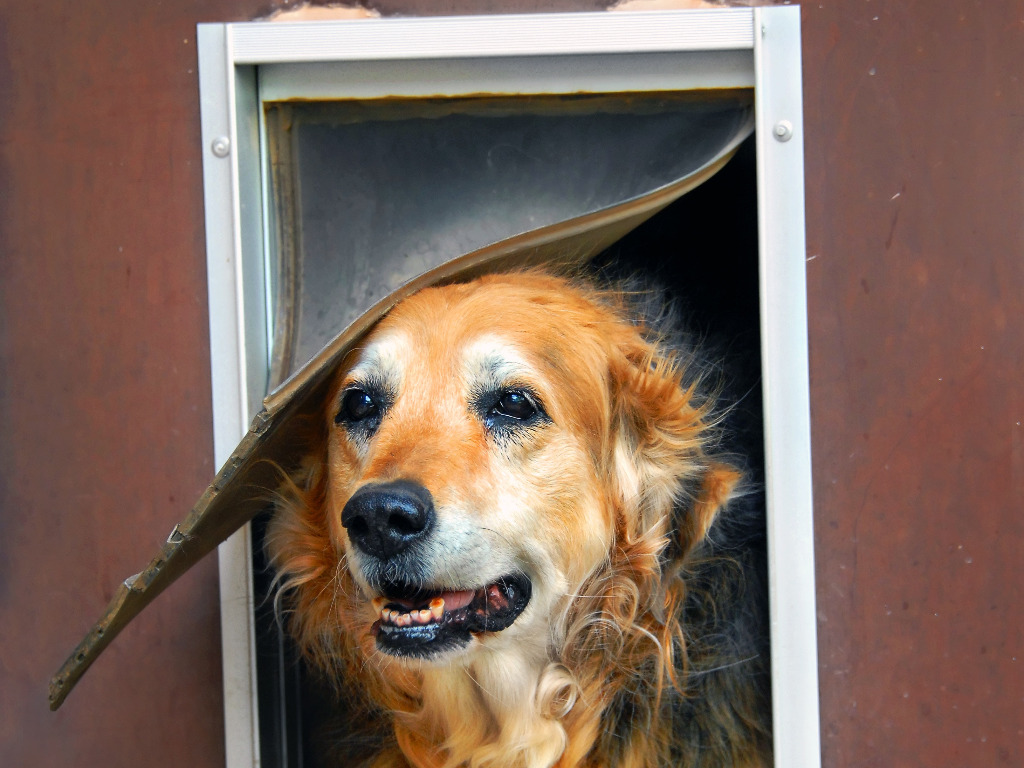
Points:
[(490, 449)]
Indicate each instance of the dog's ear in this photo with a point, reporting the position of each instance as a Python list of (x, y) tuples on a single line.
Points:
[(668, 489), (663, 431)]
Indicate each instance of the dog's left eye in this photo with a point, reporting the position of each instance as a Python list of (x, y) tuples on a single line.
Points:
[(356, 406), (514, 405)]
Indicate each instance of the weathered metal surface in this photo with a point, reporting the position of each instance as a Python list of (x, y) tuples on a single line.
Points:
[(104, 377), (914, 118), (913, 137)]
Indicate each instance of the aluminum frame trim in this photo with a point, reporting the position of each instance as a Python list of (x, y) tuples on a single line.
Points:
[(229, 382), (488, 36), (786, 387), (434, 78)]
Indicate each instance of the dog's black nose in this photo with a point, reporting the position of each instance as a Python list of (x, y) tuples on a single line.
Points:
[(384, 518)]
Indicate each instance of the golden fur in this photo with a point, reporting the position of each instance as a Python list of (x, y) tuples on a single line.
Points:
[(628, 653)]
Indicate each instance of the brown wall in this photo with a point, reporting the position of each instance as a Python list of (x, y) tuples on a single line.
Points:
[(915, 220), (915, 224)]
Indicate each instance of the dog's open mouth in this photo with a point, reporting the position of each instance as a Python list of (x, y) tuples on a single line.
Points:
[(422, 623)]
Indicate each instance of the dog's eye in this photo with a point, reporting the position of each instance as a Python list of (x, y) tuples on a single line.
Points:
[(514, 405), (356, 406), (509, 412)]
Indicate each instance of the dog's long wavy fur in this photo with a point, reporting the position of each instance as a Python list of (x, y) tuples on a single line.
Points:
[(658, 659)]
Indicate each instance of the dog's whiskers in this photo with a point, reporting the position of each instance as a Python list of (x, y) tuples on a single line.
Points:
[(719, 668), (500, 535)]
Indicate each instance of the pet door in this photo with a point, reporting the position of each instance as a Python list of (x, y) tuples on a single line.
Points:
[(346, 159)]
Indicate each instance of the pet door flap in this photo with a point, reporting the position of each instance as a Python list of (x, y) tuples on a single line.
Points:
[(467, 212), (370, 194)]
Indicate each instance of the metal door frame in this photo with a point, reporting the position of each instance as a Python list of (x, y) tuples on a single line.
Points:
[(242, 63)]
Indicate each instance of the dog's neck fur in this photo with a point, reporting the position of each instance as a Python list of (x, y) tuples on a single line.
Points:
[(494, 711)]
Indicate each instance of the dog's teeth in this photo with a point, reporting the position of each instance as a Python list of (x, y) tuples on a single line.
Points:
[(437, 608), (421, 616)]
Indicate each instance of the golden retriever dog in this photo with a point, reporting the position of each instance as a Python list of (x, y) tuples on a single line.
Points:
[(518, 541)]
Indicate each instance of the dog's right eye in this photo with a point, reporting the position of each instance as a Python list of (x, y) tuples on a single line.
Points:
[(514, 405), (357, 406)]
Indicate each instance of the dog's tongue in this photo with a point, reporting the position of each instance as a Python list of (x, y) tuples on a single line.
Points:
[(453, 601)]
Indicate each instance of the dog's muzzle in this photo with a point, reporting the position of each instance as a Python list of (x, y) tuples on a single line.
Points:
[(418, 617)]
